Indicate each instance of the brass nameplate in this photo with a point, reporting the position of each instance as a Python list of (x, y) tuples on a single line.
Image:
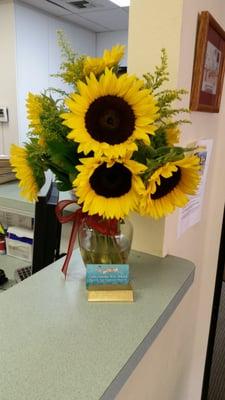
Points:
[(122, 293)]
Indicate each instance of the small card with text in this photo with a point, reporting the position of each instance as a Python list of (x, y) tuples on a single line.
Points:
[(107, 274)]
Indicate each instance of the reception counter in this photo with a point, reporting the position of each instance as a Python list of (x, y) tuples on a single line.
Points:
[(56, 346)]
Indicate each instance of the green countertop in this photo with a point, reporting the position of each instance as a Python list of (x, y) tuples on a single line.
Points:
[(56, 346)]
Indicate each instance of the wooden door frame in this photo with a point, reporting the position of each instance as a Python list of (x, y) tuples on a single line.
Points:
[(215, 312)]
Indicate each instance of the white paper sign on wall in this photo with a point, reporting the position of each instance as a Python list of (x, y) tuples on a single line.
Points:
[(191, 213)]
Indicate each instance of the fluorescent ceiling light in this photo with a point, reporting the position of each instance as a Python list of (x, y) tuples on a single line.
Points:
[(121, 3)]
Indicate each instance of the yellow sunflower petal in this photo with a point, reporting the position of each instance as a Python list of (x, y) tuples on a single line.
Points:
[(34, 109), (94, 65), (23, 171), (113, 56), (172, 135)]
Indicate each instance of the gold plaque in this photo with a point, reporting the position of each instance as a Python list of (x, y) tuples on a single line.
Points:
[(120, 293)]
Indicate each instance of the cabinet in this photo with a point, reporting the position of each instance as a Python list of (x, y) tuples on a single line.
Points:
[(12, 202)]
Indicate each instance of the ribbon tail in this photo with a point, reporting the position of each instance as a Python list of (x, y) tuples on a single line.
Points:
[(70, 246)]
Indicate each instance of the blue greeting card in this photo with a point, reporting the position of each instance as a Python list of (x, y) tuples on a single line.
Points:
[(107, 274)]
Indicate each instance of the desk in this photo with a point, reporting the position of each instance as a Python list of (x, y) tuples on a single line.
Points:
[(57, 346)]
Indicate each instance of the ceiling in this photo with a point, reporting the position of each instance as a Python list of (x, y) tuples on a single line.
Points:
[(95, 15)]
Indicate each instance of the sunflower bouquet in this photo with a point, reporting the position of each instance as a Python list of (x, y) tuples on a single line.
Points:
[(112, 138)]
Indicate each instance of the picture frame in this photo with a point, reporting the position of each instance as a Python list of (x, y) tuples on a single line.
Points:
[(209, 65)]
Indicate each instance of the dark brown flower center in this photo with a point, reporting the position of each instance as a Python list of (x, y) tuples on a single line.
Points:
[(110, 119), (114, 181), (167, 185)]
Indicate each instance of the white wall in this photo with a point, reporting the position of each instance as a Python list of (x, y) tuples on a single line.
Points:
[(8, 131), (153, 26), (106, 40), (38, 55), (201, 243)]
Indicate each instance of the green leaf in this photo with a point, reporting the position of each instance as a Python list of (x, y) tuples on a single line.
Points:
[(64, 154)]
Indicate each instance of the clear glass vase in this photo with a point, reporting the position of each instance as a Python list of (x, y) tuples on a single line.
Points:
[(99, 248)]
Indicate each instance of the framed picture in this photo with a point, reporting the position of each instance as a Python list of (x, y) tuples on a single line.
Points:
[(209, 65)]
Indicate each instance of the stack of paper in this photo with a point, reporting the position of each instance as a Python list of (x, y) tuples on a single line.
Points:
[(6, 174)]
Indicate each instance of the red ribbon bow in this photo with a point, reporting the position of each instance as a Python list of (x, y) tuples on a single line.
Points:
[(105, 226)]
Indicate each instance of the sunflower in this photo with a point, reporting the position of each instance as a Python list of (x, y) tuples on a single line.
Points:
[(112, 57), (172, 135), (34, 109), (95, 65), (110, 114), (169, 186), (109, 59), (110, 190), (24, 172)]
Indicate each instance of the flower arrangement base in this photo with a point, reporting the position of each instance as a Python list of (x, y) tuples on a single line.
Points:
[(111, 293), (109, 243), (105, 247)]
